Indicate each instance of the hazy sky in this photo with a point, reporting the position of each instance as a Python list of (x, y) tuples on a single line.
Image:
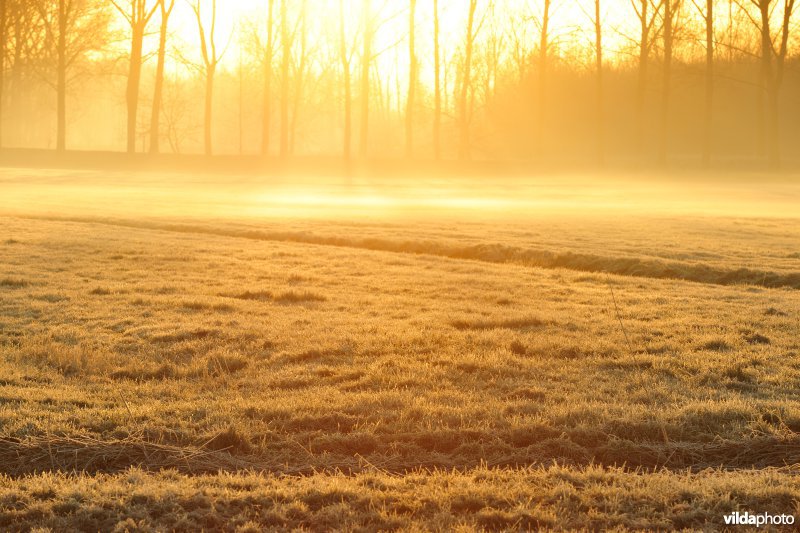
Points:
[(571, 25)]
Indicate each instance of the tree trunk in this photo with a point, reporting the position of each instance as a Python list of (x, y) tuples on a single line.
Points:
[(773, 154), (134, 76), (709, 103), (761, 90), (412, 80), (266, 119), (155, 116), (437, 89), (366, 62), (300, 78), (644, 51), (542, 82), (709, 108), (241, 99), (599, 88), (773, 123), (2, 62), (285, 51), (209, 109), (775, 80), (61, 83), (348, 99), (208, 48), (464, 147), (666, 83)]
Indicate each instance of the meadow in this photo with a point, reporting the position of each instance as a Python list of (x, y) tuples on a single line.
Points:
[(374, 356)]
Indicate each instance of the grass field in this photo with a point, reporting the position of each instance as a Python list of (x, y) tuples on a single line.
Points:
[(434, 359)]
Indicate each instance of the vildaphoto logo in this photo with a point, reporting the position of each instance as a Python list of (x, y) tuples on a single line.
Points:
[(758, 520)]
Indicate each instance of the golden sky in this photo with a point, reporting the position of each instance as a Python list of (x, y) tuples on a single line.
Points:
[(571, 25)]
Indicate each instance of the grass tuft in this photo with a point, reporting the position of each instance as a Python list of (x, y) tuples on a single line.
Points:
[(224, 362), (522, 323), (518, 348), (716, 345), (298, 297), (101, 291), (259, 296), (757, 338), (230, 440), (287, 297), (13, 283)]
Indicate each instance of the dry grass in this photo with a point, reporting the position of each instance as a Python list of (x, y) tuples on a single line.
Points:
[(428, 383), (552, 498), (13, 283)]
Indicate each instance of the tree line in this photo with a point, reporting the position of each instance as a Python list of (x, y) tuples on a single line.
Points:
[(503, 82)]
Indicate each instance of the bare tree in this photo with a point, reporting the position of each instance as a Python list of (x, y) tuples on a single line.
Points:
[(646, 12), (177, 108), (269, 56), (3, 22), (155, 116), (71, 29), (412, 78), (437, 89), (671, 10), (464, 144), (286, 46), (61, 137), (138, 15), (541, 100), (772, 76), (22, 30), (300, 72), (366, 64), (345, 57), (708, 20), (494, 49), (599, 90), (211, 59)]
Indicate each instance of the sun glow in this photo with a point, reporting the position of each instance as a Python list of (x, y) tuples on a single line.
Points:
[(240, 28)]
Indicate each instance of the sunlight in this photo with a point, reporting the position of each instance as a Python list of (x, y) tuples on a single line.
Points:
[(571, 25), (408, 265)]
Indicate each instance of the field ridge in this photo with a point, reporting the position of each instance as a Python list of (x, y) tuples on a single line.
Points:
[(694, 271), (36, 455)]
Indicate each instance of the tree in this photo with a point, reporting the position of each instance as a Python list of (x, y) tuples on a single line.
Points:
[(70, 30), (269, 56), (599, 100), (345, 57), (412, 79), (464, 144), (208, 50), (137, 15), (541, 100), (366, 63), (3, 21), (155, 116), (646, 22), (27, 49), (286, 46), (671, 9), (21, 27), (708, 21), (300, 71), (437, 89), (773, 76)]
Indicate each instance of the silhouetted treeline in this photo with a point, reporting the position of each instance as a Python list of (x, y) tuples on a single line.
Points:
[(594, 80)]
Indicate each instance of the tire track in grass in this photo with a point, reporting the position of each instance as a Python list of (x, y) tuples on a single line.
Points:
[(484, 252)]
